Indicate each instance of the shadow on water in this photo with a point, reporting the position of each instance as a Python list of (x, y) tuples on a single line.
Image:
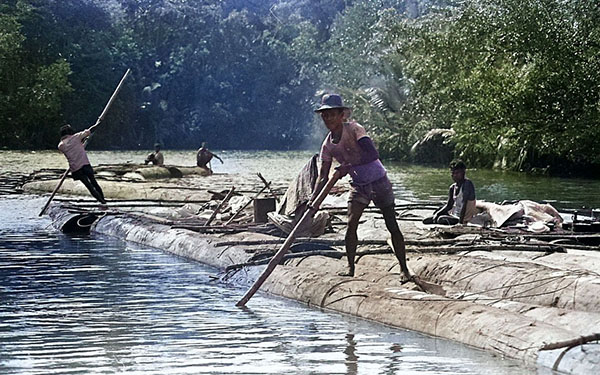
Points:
[(93, 304)]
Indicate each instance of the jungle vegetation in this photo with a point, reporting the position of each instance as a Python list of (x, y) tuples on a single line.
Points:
[(517, 81)]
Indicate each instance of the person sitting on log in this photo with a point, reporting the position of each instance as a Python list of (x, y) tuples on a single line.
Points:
[(204, 156), (72, 146), (460, 207), (349, 144), (156, 158)]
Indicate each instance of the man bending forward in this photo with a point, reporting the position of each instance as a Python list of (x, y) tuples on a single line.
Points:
[(349, 144)]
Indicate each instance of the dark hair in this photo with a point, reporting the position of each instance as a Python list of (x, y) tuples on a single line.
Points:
[(457, 164), (66, 130)]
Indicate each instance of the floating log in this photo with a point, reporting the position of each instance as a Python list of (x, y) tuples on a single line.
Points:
[(376, 291), (75, 222)]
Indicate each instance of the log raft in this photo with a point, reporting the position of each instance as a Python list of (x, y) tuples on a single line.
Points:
[(523, 297)]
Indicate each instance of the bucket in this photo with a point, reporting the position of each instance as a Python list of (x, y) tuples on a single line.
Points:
[(261, 207)]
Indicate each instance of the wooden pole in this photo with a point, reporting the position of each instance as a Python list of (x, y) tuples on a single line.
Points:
[(113, 97), (268, 184), (312, 210), (100, 118), (216, 211), (245, 205), (60, 182)]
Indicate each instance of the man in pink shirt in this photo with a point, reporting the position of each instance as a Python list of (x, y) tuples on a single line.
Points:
[(71, 145), (349, 144)]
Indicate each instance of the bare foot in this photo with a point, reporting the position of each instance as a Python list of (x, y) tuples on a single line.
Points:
[(409, 278), (349, 273)]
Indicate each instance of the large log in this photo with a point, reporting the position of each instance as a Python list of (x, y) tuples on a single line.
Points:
[(526, 282)]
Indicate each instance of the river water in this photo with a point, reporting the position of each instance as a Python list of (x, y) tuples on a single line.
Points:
[(410, 181), (98, 305)]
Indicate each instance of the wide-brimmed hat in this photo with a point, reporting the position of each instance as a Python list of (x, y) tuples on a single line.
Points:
[(331, 101)]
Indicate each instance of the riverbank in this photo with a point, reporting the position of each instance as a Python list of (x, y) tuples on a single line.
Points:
[(532, 306)]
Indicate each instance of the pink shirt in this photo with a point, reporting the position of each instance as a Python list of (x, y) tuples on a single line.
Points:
[(348, 152), (72, 147)]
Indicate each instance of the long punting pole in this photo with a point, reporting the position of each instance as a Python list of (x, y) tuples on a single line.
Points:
[(312, 210), (100, 118)]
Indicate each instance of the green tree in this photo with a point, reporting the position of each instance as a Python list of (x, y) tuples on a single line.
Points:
[(30, 90), (517, 80)]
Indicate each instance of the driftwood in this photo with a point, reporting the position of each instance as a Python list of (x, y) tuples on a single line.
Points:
[(327, 253), (149, 204), (445, 250), (222, 229), (331, 242), (505, 247), (268, 185), (572, 343), (246, 205), (406, 207), (170, 201), (155, 218), (210, 228), (220, 206)]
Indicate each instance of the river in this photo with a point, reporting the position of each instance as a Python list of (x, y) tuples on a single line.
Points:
[(98, 305), (410, 181)]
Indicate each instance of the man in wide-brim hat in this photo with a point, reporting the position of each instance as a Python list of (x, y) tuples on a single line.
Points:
[(349, 144)]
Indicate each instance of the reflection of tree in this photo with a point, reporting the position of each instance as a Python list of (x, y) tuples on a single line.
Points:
[(351, 357)]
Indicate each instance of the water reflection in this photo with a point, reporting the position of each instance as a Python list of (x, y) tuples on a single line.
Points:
[(351, 357), (92, 304)]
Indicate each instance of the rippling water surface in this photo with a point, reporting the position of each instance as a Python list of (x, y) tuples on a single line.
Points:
[(97, 305)]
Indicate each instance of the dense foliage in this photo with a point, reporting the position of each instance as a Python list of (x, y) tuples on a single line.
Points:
[(518, 81)]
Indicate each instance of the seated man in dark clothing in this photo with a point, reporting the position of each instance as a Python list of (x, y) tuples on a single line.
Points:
[(156, 158), (460, 207), (204, 156)]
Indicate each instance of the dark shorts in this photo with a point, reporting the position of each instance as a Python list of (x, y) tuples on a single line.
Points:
[(85, 171), (380, 192)]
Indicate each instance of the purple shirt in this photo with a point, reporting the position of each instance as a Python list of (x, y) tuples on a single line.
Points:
[(72, 147), (348, 152)]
